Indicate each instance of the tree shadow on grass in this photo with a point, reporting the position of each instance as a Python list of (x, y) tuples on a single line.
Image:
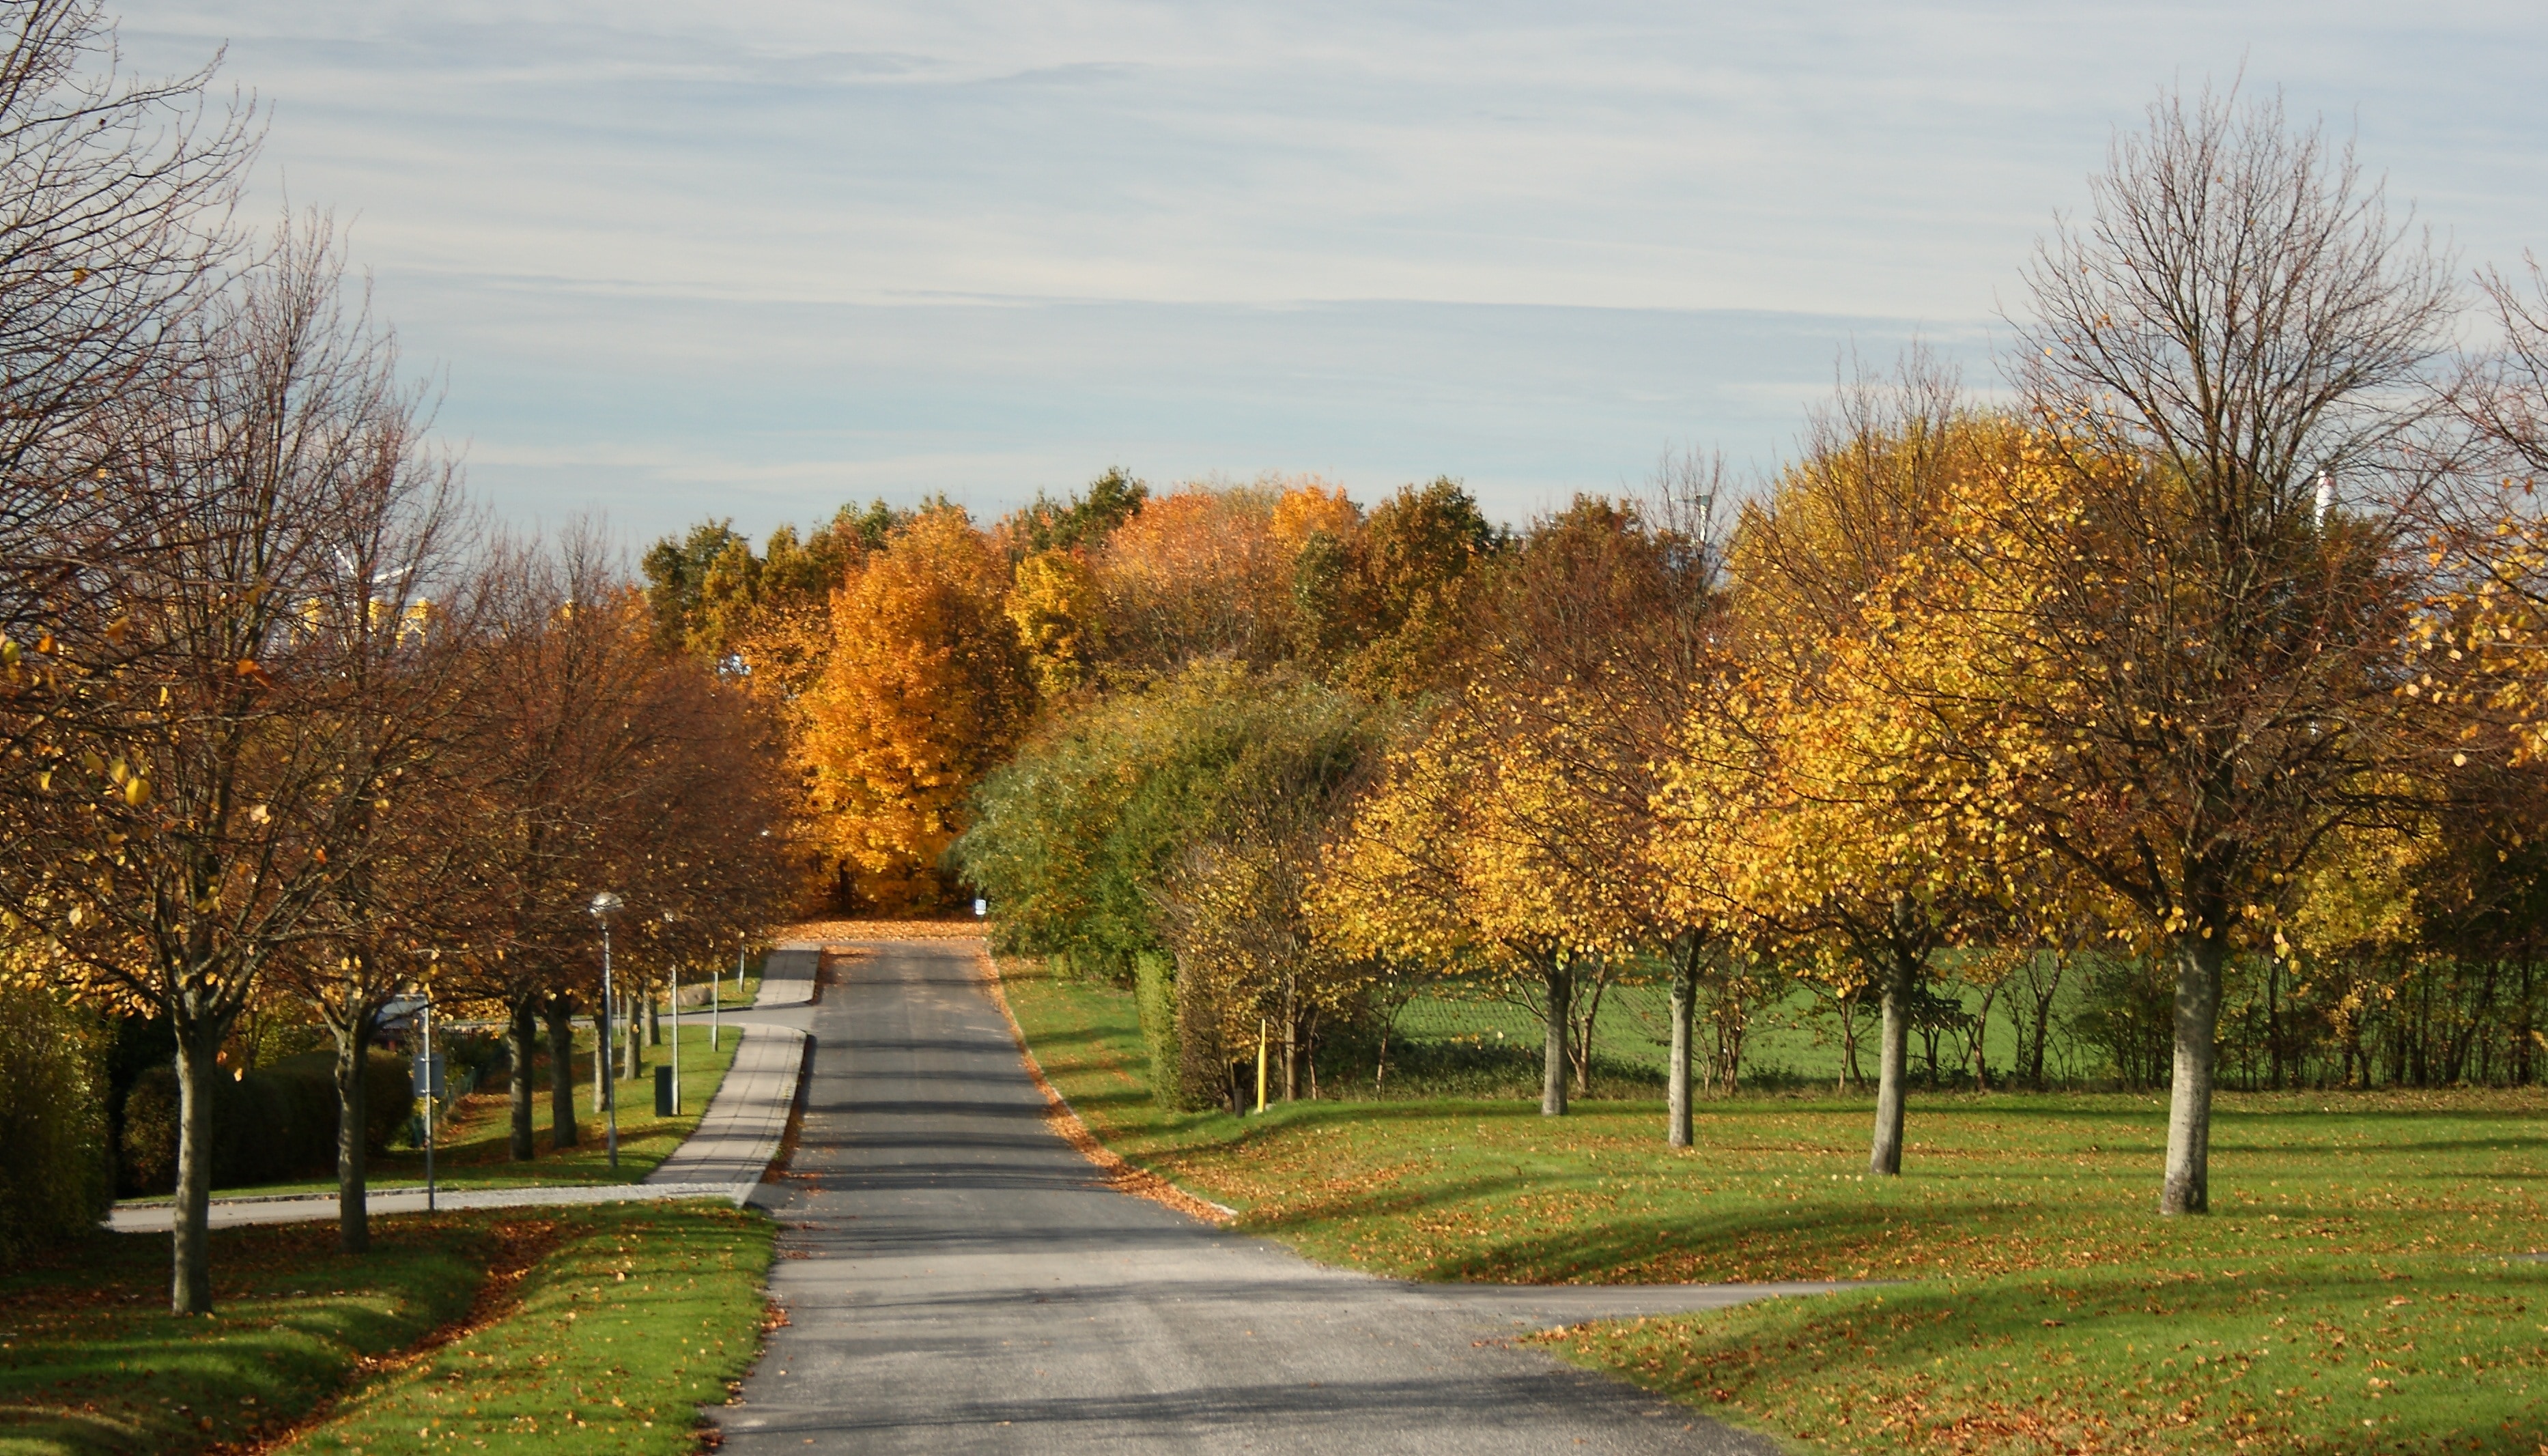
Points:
[(2321, 1354)]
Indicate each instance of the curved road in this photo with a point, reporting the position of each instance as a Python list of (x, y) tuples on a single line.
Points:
[(957, 1279)]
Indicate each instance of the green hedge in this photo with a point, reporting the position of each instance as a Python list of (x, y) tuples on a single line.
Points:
[(275, 1123), (55, 1174)]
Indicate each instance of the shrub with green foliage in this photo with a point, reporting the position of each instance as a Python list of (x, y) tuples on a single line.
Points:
[(1168, 828), (56, 1175), (274, 1123)]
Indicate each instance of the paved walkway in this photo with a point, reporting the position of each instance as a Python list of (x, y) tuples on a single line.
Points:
[(957, 1279), (723, 1158)]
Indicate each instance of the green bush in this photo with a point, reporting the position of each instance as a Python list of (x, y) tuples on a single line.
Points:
[(388, 1096), (275, 1123), (56, 1176)]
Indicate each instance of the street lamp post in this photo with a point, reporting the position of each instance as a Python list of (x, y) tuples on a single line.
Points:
[(605, 905)]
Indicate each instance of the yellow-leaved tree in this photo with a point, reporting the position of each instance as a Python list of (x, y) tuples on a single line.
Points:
[(1831, 808), (1476, 853)]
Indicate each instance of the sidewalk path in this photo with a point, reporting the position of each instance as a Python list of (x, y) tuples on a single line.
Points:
[(723, 1158), (957, 1279)]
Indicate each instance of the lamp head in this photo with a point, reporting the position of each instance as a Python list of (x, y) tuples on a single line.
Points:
[(605, 905)]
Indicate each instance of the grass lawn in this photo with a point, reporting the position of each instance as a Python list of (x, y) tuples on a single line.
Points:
[(537, 1306), (471, 1151), (639, 1315), (472, 1143), (2361, 1242)]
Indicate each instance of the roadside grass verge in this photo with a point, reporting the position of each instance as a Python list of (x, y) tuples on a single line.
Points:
[(92, 1361), (472, 1147), (2010, 1205), (639, 1315), (574, 1328), (2418, 1353)]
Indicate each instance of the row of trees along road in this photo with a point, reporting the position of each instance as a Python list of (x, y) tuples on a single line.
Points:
[(2214, 647), (282, 717)]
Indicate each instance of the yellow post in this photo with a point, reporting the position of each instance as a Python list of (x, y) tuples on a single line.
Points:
[(1262, 1031)]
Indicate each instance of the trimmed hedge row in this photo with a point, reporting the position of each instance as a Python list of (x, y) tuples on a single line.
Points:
[(275, 1123), (55, 1174)]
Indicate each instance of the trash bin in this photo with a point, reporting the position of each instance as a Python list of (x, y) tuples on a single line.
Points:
[(664, 1093)]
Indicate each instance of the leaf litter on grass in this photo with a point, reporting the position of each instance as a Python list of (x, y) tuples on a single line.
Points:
[(2320, 1200)]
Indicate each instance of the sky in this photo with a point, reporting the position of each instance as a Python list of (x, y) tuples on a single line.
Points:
[(752, 261)]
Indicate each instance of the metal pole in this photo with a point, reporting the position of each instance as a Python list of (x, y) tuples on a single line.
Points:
[(676, 1038), (610, 1091)]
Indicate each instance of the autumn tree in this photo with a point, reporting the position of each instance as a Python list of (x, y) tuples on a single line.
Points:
[(1594, 638), (402, 622), (925, 691), (1387, 610), (2200, 643), (1835, 812), (203, 807), (1206, 572), (1054, 604), (1474, 850)]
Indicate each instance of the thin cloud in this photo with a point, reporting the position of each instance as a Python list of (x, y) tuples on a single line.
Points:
[(916, 242)]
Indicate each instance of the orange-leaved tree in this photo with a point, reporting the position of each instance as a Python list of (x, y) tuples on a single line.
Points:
[(925, 691)]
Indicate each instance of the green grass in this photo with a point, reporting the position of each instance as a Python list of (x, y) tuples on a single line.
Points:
[(622, 1320), (2416, 1353), (91, 1360), (639, 1315), (473, 1146), (2014, 1209)]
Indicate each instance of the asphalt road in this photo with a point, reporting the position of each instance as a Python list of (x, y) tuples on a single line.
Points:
[(957, 1280)]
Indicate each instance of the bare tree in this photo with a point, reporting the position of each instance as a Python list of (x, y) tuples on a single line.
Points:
[(2208, 653), (115, 194), (404, 619)]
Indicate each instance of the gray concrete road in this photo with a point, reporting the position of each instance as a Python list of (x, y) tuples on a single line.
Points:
[(956, 1279)]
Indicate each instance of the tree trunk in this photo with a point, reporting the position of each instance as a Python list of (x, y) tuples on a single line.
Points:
[(198, 1048), (1309, 1052), (521, 1042), (2043, 1029), (1981, 1038), (1290, 1051), (2274, 1021), (1554, 1069), (353, 1193), (1580, 1046), (2188, 1185), (654, 1019), (1894, 1067), (561, 1071), (1684, 1003)]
